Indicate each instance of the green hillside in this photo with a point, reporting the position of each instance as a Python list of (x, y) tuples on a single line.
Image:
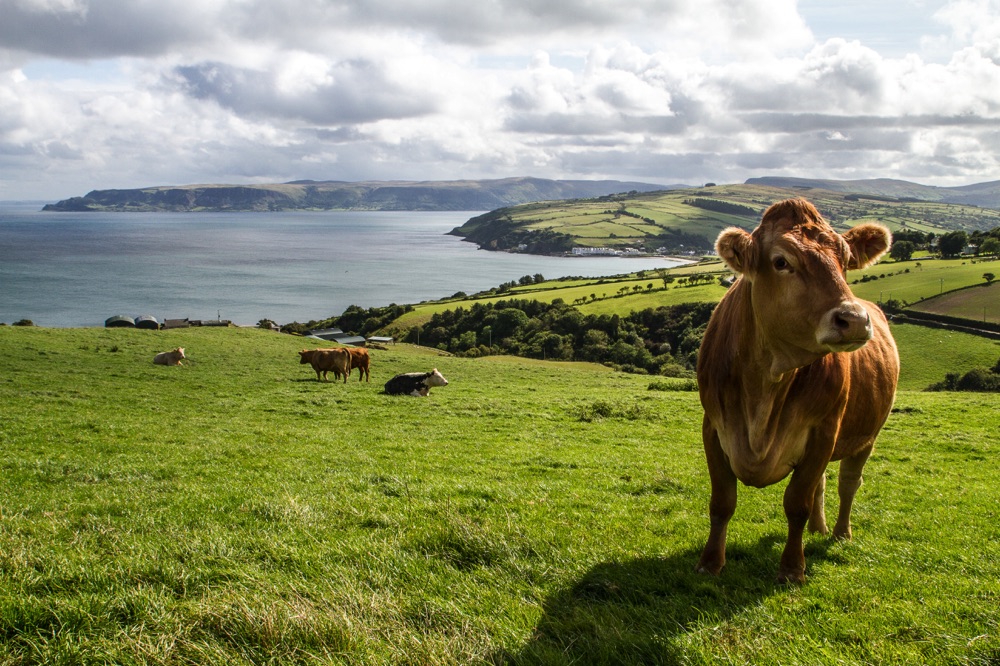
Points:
[(682, 221)]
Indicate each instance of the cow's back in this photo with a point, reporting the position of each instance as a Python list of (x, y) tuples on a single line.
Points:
[(406, 383)]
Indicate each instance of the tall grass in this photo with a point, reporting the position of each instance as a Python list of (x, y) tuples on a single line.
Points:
[(235, 510)]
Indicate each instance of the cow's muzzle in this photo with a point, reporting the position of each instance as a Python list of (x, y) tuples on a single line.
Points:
[(845, 328)]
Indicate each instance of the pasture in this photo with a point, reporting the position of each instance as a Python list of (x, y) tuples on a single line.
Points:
[(917, 282), (235, 510), (981, 303)]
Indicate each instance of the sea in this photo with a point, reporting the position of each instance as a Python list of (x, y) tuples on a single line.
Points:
[(79, 269)]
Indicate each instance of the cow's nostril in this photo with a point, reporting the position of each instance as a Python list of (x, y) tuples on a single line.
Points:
[(846, 319)]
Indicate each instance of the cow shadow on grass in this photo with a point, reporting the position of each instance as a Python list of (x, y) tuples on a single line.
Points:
[(639, 611)]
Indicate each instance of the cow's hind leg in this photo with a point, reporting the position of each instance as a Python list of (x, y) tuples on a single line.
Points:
[(817, 518), (847, 487), (722, 504)]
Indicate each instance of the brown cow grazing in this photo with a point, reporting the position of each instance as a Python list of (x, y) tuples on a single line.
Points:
[(325, 360), (360, 360), (170, 358), (794, 372)]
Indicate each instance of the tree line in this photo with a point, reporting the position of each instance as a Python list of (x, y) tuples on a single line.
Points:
[(661, 341), (355, 320), (950, 244)]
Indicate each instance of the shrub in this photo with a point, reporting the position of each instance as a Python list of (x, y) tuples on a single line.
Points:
[(682, 385), (979, 380)]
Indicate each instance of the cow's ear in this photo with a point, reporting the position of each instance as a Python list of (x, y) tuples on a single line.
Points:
[(868, 242), (735, 247)]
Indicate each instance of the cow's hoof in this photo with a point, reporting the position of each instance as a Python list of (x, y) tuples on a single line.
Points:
[(841, 533), (791, 577), (819, 528), (710, 568)]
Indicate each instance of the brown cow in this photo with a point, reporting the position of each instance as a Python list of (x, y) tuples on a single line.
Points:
[(794, 372), (360, 360), (325, 360)]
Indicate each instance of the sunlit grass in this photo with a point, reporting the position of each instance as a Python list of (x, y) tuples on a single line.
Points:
[(235, 510)]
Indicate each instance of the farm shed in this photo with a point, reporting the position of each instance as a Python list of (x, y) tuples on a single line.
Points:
[(211, 322), (119, 321), (176, 323), (354, 340), (148, 322), (326, 333), (381, 340)]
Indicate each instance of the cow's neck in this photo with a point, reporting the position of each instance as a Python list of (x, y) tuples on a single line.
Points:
[(772, 360), (766, 374), (784, 361)]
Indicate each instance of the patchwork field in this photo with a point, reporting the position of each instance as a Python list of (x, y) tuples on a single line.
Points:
[(653, 218)]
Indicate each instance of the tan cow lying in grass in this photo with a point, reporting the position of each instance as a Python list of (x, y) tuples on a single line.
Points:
[(170, 358), (324, 360)]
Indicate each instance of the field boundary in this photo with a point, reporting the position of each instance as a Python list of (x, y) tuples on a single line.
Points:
[(982, 329)]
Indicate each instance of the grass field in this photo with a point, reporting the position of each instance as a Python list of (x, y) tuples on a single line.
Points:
[(236, 511), (981, 303), (927, 280)]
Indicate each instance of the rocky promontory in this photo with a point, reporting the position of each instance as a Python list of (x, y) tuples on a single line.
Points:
[(454, 195)]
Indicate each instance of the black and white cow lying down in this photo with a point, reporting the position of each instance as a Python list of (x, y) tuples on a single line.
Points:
[(415, 383)]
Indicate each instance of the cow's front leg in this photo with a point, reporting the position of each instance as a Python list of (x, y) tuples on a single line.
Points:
[(799, 497), (722, 505)]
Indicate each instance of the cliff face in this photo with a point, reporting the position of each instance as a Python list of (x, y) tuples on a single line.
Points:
[(333, 195)]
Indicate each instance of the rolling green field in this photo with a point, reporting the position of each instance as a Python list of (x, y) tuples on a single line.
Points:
[(236, 511), (651, 218)]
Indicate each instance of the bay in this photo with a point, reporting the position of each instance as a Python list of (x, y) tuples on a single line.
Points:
[(78, 269)]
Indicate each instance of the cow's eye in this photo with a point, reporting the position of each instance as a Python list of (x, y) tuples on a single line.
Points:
[(781, 264)]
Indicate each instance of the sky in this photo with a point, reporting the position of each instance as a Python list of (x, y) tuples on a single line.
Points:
[(109, 94)]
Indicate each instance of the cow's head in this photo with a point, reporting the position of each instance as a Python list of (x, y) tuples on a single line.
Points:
[(435, 379), (796, 265)]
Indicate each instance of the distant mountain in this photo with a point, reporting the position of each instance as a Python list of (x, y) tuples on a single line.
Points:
[(472, 195), (984, 195)]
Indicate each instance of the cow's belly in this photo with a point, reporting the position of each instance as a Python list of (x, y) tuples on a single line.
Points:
[(762, 460)]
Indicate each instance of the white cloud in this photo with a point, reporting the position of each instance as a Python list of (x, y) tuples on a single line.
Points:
[(660, 90)]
